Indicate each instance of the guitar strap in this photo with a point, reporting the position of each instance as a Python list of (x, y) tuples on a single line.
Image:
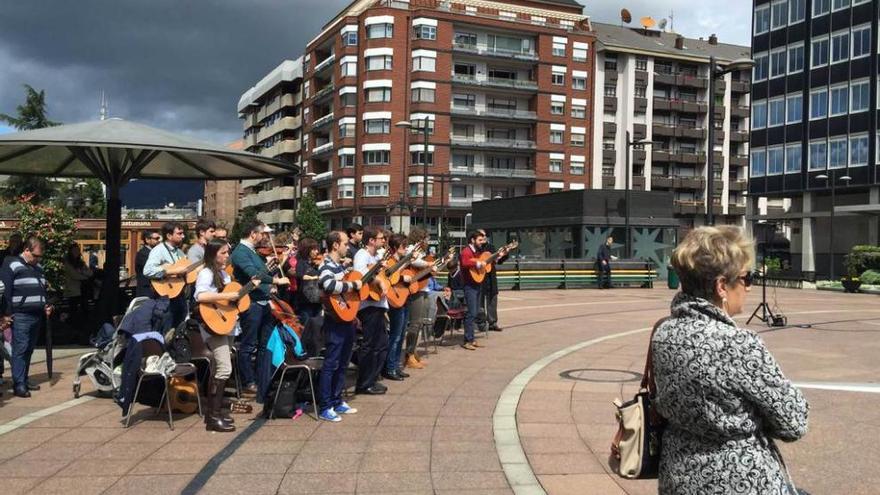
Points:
[(174, 258)]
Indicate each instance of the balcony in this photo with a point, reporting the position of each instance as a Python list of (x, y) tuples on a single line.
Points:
[(667, 78), (286, 100), (685, 106), (739, 160), (502, 173), (494, 52), (324, 92), (735, 209), (609, 156), (680, 182), (737, 184), (461, 202), (282, 147), (322, 179), (740, 86), (325, 205), (327, 62), (276, 217), (250, 141), (321, 122), (284, 123), (324, 148), (494, 112), (661, 181), (518, 144), (663, 130), (268, 196), (741, 112), (608, 181), (688, 207), (739, 136), (495, 82), (691, 81), (610, 104)]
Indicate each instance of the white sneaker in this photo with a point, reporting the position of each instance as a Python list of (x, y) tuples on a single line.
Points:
[(344, 408)]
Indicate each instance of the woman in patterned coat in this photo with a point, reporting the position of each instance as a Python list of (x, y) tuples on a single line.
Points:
[(723, 394)]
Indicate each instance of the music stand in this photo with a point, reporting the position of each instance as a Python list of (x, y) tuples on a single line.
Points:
[(764, 234)]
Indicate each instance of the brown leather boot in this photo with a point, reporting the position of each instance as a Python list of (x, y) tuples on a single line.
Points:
[(412, 362), (214, 415)]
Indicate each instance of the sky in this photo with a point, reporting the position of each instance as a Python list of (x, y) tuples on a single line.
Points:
[(182, 65)]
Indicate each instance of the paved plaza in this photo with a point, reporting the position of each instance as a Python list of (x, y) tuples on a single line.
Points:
[(529, 413)]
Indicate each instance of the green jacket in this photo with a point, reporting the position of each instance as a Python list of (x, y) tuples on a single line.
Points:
[(245, 264)]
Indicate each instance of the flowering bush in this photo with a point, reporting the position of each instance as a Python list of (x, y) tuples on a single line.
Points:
[(55, 228)]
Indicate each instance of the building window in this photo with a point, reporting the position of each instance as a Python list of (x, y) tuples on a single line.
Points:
[(610, 90), (462, 162), (377, 126), (558, 79), (508, 44), (345, 191), (375, 189), (579, 54), (348, 99), (641, 63), (762, 19), (348, 69), (423, 95), (415, 189), (762, 67), (578, 112), (375, 95), (759, 114), (556, 166), (794, 109), (459, 191), (775, 160), (818, 155), (377, 157), (793, 158), (759, 162), (796, 11), (382, 62), (350, 38), (837, 152), (819, 53), (558, 49), (376, 31), (576, 168), (418, 158), (426, 64), (346, 130), (425, 32), (840, 47), (556, 137), (861, 41), (777, 63), (557, 108), (839, 100), (776, 112), (463, 130), (860, 93), (819, 104), (795, 59), (465, 40), (839, 5), (821, 7), (577, 139), (466, 101), (419, 126), (858, 150), (346, 161), (779, 14), (641, 90), (578, 83)]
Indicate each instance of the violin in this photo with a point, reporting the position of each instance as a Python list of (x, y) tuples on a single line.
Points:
[(283, 312), (266, 251)]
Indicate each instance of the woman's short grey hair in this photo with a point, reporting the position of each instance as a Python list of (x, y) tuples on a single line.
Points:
[(707, 254)]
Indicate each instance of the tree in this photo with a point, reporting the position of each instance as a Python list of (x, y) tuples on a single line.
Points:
[(245, 217), (82, 198), (309, 219), (55, 227), (31, 115)]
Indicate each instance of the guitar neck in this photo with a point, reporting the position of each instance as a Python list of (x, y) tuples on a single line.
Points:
[(400, 264), (372, 272)]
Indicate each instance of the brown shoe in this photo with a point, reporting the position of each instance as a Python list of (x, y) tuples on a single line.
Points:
[(420, 359), (477, 344), (249, 391), (412, 362), (469, 346)]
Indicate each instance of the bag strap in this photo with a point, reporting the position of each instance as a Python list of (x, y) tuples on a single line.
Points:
[(648, 375)]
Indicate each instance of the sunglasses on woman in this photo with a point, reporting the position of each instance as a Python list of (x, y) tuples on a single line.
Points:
[(747, 280)]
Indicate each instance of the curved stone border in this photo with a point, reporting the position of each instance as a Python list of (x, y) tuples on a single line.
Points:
[(516, 466)]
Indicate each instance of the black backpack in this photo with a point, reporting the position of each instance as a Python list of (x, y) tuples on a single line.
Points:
[(178, 346)]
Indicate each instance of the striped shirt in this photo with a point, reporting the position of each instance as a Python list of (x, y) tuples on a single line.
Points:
[(330, 277), (25, 287)]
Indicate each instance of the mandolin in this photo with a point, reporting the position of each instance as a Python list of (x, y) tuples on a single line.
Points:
[(220, 316), (172, 286), (488, 259), (345, 306), (420, 278)]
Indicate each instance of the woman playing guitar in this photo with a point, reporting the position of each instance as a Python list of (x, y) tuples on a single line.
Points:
[(417, 305), (307, 300), (209, 285), (396, 317)]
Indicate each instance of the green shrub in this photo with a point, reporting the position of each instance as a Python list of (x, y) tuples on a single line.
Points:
[(862, 258), (870, 277), (774, 265)]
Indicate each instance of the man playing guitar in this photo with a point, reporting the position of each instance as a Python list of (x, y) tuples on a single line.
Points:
[(168, 252), (374, 349), (338, 335), (469, 260), (396, 318), (488, 315), (417, 305)]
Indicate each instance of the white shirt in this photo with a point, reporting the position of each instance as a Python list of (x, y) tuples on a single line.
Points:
[(362, 261), (205, 283)]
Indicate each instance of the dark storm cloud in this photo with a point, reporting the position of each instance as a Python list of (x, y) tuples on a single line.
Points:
[(180, 65)]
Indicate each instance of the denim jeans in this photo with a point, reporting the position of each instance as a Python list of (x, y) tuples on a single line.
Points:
[(25, 329), (256, 325), (472, 299), (397, 323), (339, 339), (374, 349)]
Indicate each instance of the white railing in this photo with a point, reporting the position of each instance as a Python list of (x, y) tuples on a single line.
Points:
[(323, 205), (494, 112), (495, 81), (493, 142), (323, 148), (325, 63)]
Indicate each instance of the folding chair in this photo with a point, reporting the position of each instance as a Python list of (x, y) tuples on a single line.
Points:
[(450, 318), (154, 348), (308, 366)]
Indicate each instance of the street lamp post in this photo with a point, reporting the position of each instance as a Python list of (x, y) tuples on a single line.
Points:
[(443, 179), (832, 180), (425, 131), (714, 73), (626, 229)]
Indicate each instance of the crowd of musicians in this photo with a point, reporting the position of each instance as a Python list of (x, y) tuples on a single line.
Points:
[(362, 282)]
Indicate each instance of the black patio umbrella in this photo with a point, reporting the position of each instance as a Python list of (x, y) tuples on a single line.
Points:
[(117, 151)]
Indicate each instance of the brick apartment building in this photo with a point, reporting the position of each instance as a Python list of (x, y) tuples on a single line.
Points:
[(222, 197), (504, 86)]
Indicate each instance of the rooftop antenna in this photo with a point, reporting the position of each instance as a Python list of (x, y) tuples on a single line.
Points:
[(625, 16), (103, 112), (671, 20)]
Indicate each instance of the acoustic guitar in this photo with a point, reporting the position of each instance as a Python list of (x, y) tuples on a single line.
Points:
[(219, 317), (419, 280), (488, 259), (172, 286), (345, 306), (391, 276)]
